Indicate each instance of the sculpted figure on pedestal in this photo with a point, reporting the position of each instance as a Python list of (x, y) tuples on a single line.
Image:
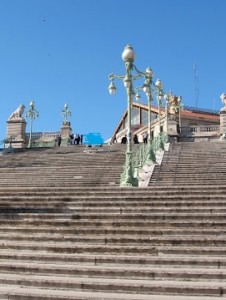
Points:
[(17, 113)]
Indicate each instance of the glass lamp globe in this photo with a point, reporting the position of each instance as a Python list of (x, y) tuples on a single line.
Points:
[(127, 82), (32, 104), (158, 84), (146, 88), (128, 55), (149, 72), (112, 88)]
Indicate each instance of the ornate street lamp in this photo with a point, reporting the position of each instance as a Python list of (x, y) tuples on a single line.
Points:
[(167, 97), (159, 92), (179, 100), (32, 114), (66, 113), (128, 57), (146, 87)]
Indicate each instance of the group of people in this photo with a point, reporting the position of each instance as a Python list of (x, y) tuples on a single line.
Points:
[(76, 139), (135, 139)]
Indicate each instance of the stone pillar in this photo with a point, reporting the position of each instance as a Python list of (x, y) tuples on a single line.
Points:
[(66, 129), (16, 129), (223, 118), (173, 130)]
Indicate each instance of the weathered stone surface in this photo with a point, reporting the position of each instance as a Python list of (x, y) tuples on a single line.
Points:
[(67, 233)]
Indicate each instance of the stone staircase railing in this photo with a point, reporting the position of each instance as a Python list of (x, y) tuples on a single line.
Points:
[(199, 133)]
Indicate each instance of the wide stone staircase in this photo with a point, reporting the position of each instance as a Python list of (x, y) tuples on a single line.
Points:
[(63, 166), (200, 163), (74, 238)]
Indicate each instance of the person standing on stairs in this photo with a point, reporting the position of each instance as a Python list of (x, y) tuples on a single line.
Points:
[(135, 139), (59, 139)]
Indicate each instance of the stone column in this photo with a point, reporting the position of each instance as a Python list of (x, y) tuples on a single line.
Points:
[(66, 129), (173, 130), (16, 129), (223, 118)]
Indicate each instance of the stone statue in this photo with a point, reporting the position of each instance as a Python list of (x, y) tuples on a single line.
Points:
[(223, 98), (173, 105), (17, 114)]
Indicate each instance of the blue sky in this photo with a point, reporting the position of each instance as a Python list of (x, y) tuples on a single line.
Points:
[(58, 51)]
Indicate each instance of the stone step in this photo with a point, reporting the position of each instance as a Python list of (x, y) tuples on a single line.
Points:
[(77, 189), (147, 197), (52, 211), (31, 284), (140, 272), (152, 200), (205, 182), (105, 260), (17, 292), (110, 239), (89, 216), (161, 222), (81, 230), (119, 249)]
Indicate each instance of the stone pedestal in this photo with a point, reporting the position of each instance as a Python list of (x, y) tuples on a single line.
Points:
[(223, 120), (173, 130), (66, 129), (16, 129)]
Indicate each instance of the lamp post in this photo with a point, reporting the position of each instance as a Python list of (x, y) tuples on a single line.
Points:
[(128, 57), (179, 100), (66, 113), (147, 90), (159, 92), (32, 114), (167, 97)]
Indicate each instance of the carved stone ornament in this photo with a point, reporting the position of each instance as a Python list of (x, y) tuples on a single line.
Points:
[(17, 114)]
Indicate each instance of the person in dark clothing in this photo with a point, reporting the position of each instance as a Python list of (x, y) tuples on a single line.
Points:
[(124, 140), (135, 139), (71, 139), (78, 139), (81, 139), (59, 139)]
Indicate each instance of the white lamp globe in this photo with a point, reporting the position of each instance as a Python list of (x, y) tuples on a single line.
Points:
[(128, 55)]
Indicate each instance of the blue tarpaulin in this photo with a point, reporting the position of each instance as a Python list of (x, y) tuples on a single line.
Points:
[(93, 139)]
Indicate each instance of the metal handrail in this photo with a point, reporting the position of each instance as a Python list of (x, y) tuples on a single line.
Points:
[(142, 155)]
